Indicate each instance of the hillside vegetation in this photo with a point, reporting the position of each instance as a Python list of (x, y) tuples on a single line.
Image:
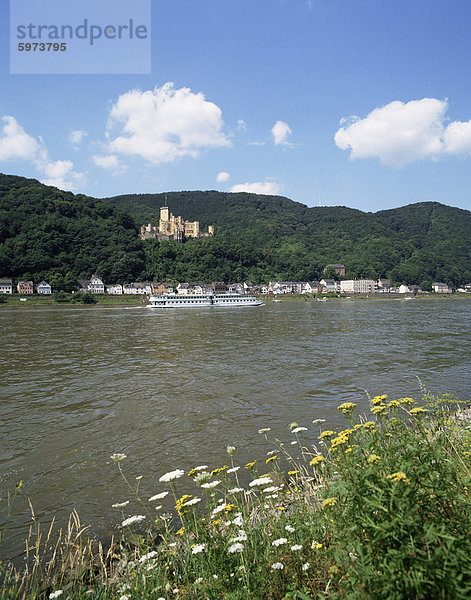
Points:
[(271, 237), (49, 234)]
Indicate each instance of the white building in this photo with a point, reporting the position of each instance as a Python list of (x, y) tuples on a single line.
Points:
[(357, 286), (96, 285), (6, 286), (441, 288), (114, 290), (329, 285), (44, 288)]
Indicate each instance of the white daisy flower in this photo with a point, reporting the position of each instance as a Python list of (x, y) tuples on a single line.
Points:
[(233, 470), (235, 490), (296, 547), (158, 496), (260, 481), (192, 501), (210, 484), (55, 594), (148, 556), (172, 475), (131, 520), (306, 566), (198, 548), (298, 429), (264, 430), (120, 504), (279, 542), (277, 566), (239, 521), (117, 457), (236, 548), (290, 528), (218, 509), (317, 422)]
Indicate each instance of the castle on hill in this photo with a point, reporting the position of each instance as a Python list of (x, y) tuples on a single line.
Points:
[(173, 228)]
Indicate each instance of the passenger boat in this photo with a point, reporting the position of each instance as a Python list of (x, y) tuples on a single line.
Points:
[(201, 300)]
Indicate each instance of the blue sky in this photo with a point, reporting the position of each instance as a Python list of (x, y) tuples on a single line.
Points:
[(367, 101)]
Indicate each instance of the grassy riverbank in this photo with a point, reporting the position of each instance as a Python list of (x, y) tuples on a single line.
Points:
[(378, 510)]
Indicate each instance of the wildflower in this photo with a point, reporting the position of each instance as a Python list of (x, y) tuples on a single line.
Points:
[(346, 408), (377, 400), (279, 542), (349, 449), (123, 597), (296, 547), (290, 528), (201, 477), (239, 521), (264, 430), (197, 548), (329, 502), (233, 470), (242, 537), (294, 443), (120, 504), (316, 545), (117, 457), (270, 459), (272, 488), (219, 470), (55, 594), (172, 475), (158, 496), (399, 476), (218, 509), (210, 484), (250, 465), (369, 425), (318, 421), (148, 556), (293, 472), (373, 459), (131, 520), (271, 452), (326, 434), (298, 429), (181, 531), (196, 469), (277, 566), (260, 481), (236, 548), (406, 401), (230, 450), (376, 410), (418, 410), (394, 403), (316, 460), (306, 566), (215, 576), (192, 501), (235, 490), (281, 507)]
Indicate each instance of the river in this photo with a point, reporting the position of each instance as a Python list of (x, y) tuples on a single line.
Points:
[(171, 389)]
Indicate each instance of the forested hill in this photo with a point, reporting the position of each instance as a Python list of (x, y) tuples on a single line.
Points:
[(418, 243), (49, 234)]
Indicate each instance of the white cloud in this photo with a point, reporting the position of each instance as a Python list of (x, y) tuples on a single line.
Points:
[(457, 138), (110, 162), (281, 131), (15, 142), (241, 125), (256, 143), (257, 187), (400, 133), (165, 124), (222, 176), (76, 136)]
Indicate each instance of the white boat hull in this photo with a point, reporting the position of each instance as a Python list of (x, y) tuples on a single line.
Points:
[(202, 301)]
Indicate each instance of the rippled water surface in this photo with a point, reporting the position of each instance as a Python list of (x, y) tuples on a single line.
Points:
[(171, 389)]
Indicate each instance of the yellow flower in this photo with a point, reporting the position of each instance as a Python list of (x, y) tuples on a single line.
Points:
[(329, 502), (220, 470), (376, 410), (316, 545), (346, 407), (399, 476), (373, 459), (250, 465), (377, 400), (281, 507), (406, 401), (369, 425), (418, 410), (293, 472), (348, 450), (264, 475), (394, 403), (316, 460), (326, 434), (180, 531), (216, 522), (270, 459)]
